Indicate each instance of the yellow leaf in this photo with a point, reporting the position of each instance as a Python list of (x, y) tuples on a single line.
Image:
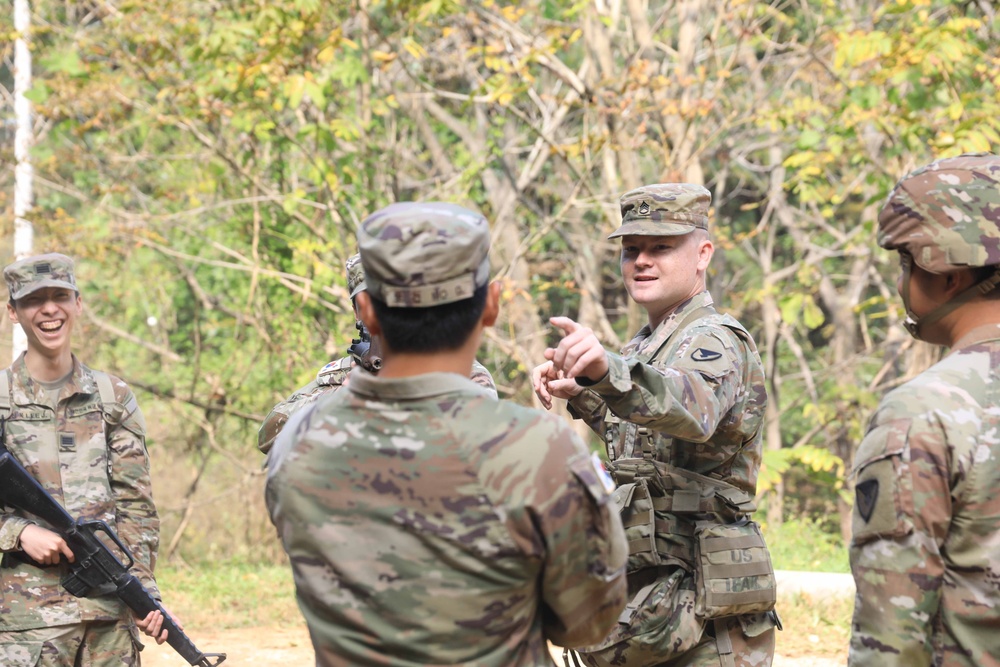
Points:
[(944, 139), (414, 49), (383, 57), (326, 55)]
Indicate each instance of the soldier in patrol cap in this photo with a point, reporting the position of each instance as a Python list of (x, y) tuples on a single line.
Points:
[(680, 410), (926, 520), (364, 352), (426, 522), (81, 434)]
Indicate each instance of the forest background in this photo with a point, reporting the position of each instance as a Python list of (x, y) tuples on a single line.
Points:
[(208, 162)]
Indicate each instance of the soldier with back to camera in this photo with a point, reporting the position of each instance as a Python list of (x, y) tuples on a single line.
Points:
[(425, 521), (925, 550)]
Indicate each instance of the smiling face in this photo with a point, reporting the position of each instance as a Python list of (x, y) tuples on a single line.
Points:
[(660, 272), (47, 316)]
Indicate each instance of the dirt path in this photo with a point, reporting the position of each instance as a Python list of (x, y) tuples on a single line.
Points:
[(290, 647)]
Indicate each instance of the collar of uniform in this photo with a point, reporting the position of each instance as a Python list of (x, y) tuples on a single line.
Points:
[(25, 391), (699, 300), (414, 387), (979, 334)]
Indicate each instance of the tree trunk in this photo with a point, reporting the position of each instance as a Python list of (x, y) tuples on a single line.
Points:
[(23, 231)]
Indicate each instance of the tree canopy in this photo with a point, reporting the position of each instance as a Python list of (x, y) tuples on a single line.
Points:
[(209, 161)]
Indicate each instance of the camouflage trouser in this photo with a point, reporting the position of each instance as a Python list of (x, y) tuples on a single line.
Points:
[(729, 643), (93, 644)]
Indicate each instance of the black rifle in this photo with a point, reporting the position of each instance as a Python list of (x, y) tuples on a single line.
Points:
[(366, 352), (96, 570)]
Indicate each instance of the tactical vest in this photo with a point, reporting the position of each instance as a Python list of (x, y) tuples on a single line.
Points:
[(675, 517)]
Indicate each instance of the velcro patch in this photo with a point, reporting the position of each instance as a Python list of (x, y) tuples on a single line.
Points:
[(67, 442), (701, 354), (602, 473), (866, 498)]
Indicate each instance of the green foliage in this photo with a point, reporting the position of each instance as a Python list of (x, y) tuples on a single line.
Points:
[(803, 545), (209, 164), (231, 594)]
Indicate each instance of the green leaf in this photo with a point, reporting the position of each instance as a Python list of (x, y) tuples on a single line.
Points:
[(812, 315), (809, 139), (39, 92), (67, 61)]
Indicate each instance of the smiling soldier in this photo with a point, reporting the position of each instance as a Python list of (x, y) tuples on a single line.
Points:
[(81, 434), (680, 411)]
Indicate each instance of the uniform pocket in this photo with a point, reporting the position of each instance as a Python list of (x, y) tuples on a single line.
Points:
[(734, 573), (657, 625), (15, 653)]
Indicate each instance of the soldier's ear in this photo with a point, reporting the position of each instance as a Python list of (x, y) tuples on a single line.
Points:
[(956, 282), (366, 313), (492, 309), (11, 313)]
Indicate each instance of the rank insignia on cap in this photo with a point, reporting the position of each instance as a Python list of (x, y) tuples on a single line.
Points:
[(867, 494), (644, 208), (701, 354)]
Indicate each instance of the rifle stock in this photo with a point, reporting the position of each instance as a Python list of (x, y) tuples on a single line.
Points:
[(96, 569)]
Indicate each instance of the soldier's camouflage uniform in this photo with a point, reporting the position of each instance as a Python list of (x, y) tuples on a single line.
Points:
[(925, 550), (689, 394), (428, 523), (330, 378), (91, 457)]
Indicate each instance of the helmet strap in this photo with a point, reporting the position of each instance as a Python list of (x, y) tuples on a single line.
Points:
[(913, 323)]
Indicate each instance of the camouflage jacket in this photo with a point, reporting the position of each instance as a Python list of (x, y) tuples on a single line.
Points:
[(428, 522), (691, 393), (330, 378), (96, 470), (925, 551)]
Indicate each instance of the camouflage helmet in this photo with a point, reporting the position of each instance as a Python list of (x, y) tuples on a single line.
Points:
[(946, 215), (355, 275)]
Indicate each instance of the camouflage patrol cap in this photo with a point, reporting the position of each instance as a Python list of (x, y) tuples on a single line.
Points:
[(664, 209), (422, 254), (34, 273), (355, 275), (946, 215)]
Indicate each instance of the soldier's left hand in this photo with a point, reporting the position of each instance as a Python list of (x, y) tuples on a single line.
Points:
[(152, 625), (579, 353)]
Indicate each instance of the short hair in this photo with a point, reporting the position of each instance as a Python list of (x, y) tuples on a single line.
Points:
[(433, 329)]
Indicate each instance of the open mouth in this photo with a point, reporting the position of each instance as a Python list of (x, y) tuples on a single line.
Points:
[(644, 279), (50, 326)]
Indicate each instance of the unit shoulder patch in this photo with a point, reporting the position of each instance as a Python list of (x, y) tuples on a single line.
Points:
[(701, 354)]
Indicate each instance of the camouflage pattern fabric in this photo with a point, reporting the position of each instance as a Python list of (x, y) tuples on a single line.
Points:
[(95, 644), (427, 523), (946, 215), (97, 471), (689, 394), (329, 379), (417, 255), (664, 209), (355, 275), (926, 520), (34, 273)]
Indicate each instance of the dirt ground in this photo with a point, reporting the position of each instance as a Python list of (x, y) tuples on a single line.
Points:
[(290, 647)]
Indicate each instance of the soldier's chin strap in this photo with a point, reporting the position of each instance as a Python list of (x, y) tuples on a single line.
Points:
[(913, 322)]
